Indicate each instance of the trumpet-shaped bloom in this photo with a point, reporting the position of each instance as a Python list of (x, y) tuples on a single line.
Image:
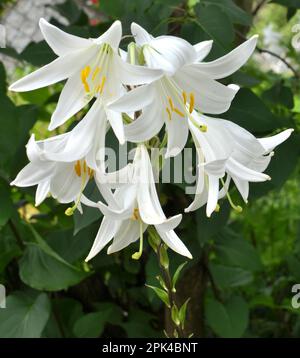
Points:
[(131, 208), (92, 67), (187, 85), (228, 149), (65, 181)]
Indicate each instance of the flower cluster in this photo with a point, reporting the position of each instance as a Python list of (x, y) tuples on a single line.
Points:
[(158, 81)]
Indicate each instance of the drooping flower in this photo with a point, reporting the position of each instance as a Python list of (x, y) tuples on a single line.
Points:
[(187, 85), (131, 208), (92, 67), (228, 149), (65, 181)]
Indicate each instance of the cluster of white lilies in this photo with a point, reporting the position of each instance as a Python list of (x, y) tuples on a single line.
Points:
[(160, 81)]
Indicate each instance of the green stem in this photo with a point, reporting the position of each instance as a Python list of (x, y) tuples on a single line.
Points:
[(172, 295)]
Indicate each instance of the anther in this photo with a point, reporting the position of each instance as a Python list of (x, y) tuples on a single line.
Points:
[(184, 97), (171, 103), (176, 110), (169, 113), (77, 168), (192, 102), (100, 90)]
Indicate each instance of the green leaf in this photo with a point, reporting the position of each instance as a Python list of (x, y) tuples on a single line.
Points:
[(182, 312), (89, 215), (279, 94), (216, 24), (8, 247), (177, 274), (248, 111), (92, 324), (236, 251), (42, 271), (38, 54), (43, 268), (226, 276), (235, 13), (288, 3), (24, 316), (163, 295), (294, 266), (6, 205), (228, 320), (280, 168), (208, 227), (70, 10), (175, 315)]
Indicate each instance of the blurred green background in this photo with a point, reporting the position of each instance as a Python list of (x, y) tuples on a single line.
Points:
[(244, 265)]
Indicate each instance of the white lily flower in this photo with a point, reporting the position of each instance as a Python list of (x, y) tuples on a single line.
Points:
[(65, 181), (131, 208), (186, 85), (228, 149), (92, 67)]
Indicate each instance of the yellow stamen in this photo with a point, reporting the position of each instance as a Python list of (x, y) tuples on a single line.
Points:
[(192, 102), (84, 167), (90, 172), (171, 103), (77, 168), (84, 75), (95, 73), (100, 89), (169, 113), (178, 112), (217, 209), (184, 97), (135, 214)]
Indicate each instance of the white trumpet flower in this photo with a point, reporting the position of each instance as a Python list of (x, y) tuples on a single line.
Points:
[(187, 85), (131, 208), (228, 149), (65, 181), (92, 67)]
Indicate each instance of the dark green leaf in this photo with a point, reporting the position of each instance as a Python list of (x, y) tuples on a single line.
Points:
[(24, 316), (228, 320), (226, 276)]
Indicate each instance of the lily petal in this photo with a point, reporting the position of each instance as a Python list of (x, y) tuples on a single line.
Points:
[(135, 75), (42, 191), (270, 143), (228, 64), (203, 49), (146, 126), (71, 100), (213, 194), (134, 100), (173, 242), (33, 174), (112, 36), (236, 169), (57, 70), (210, 95), (106, 232), (61, 42), (129, 231), (141, 36), (116, 121)]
